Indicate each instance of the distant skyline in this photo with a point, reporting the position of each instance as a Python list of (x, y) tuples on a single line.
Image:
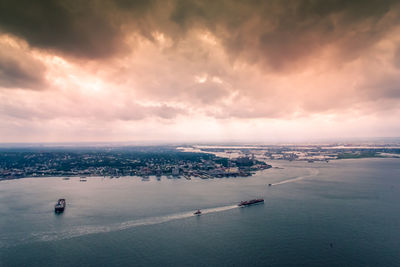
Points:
[(199, 71)]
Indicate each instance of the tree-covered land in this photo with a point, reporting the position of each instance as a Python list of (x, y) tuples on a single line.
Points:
[(120, 161)]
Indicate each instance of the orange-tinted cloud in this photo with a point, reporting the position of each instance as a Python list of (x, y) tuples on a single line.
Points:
[(227, 66)]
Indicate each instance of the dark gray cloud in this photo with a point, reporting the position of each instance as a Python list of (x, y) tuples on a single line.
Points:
[(274, 33), (20, 70), (279, 34), (81, 28), (384, 86)]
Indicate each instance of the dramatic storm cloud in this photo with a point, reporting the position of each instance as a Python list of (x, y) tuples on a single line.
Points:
[(177, 70)]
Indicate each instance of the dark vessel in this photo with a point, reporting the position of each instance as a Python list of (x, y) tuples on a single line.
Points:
[(251, 202), (60, 205), (198, 212)]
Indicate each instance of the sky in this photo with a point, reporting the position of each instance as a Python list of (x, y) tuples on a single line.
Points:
[(198, 70)]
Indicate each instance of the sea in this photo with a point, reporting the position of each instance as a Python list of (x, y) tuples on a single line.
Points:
[(336, 213)]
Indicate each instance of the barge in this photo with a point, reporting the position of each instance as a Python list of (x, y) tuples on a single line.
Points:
[(251, 202)]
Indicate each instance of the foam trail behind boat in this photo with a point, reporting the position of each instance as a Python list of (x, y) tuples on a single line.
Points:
[(93, 229), (313, 173), (218, 209), (290, 180)]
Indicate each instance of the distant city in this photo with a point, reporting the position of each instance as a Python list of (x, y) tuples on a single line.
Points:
[(194, 161), (307, 152), (122, 161)]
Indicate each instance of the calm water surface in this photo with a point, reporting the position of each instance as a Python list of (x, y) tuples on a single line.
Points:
[(341, 213)]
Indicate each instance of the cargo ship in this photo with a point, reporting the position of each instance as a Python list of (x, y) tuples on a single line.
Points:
[(251, 202), (60, 205)]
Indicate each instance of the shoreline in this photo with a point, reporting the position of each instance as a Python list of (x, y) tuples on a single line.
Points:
[(205, 177)]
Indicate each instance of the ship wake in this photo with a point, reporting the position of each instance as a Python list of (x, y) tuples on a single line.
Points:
[(96, 229), (313, 172)]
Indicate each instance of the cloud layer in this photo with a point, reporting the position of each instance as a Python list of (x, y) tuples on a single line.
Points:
[(136, 66)]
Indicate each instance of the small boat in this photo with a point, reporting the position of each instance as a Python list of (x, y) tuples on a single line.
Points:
[(198, 212), (269, 184), (83, 179), (66, 178), (60, 205), (251, 202)]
